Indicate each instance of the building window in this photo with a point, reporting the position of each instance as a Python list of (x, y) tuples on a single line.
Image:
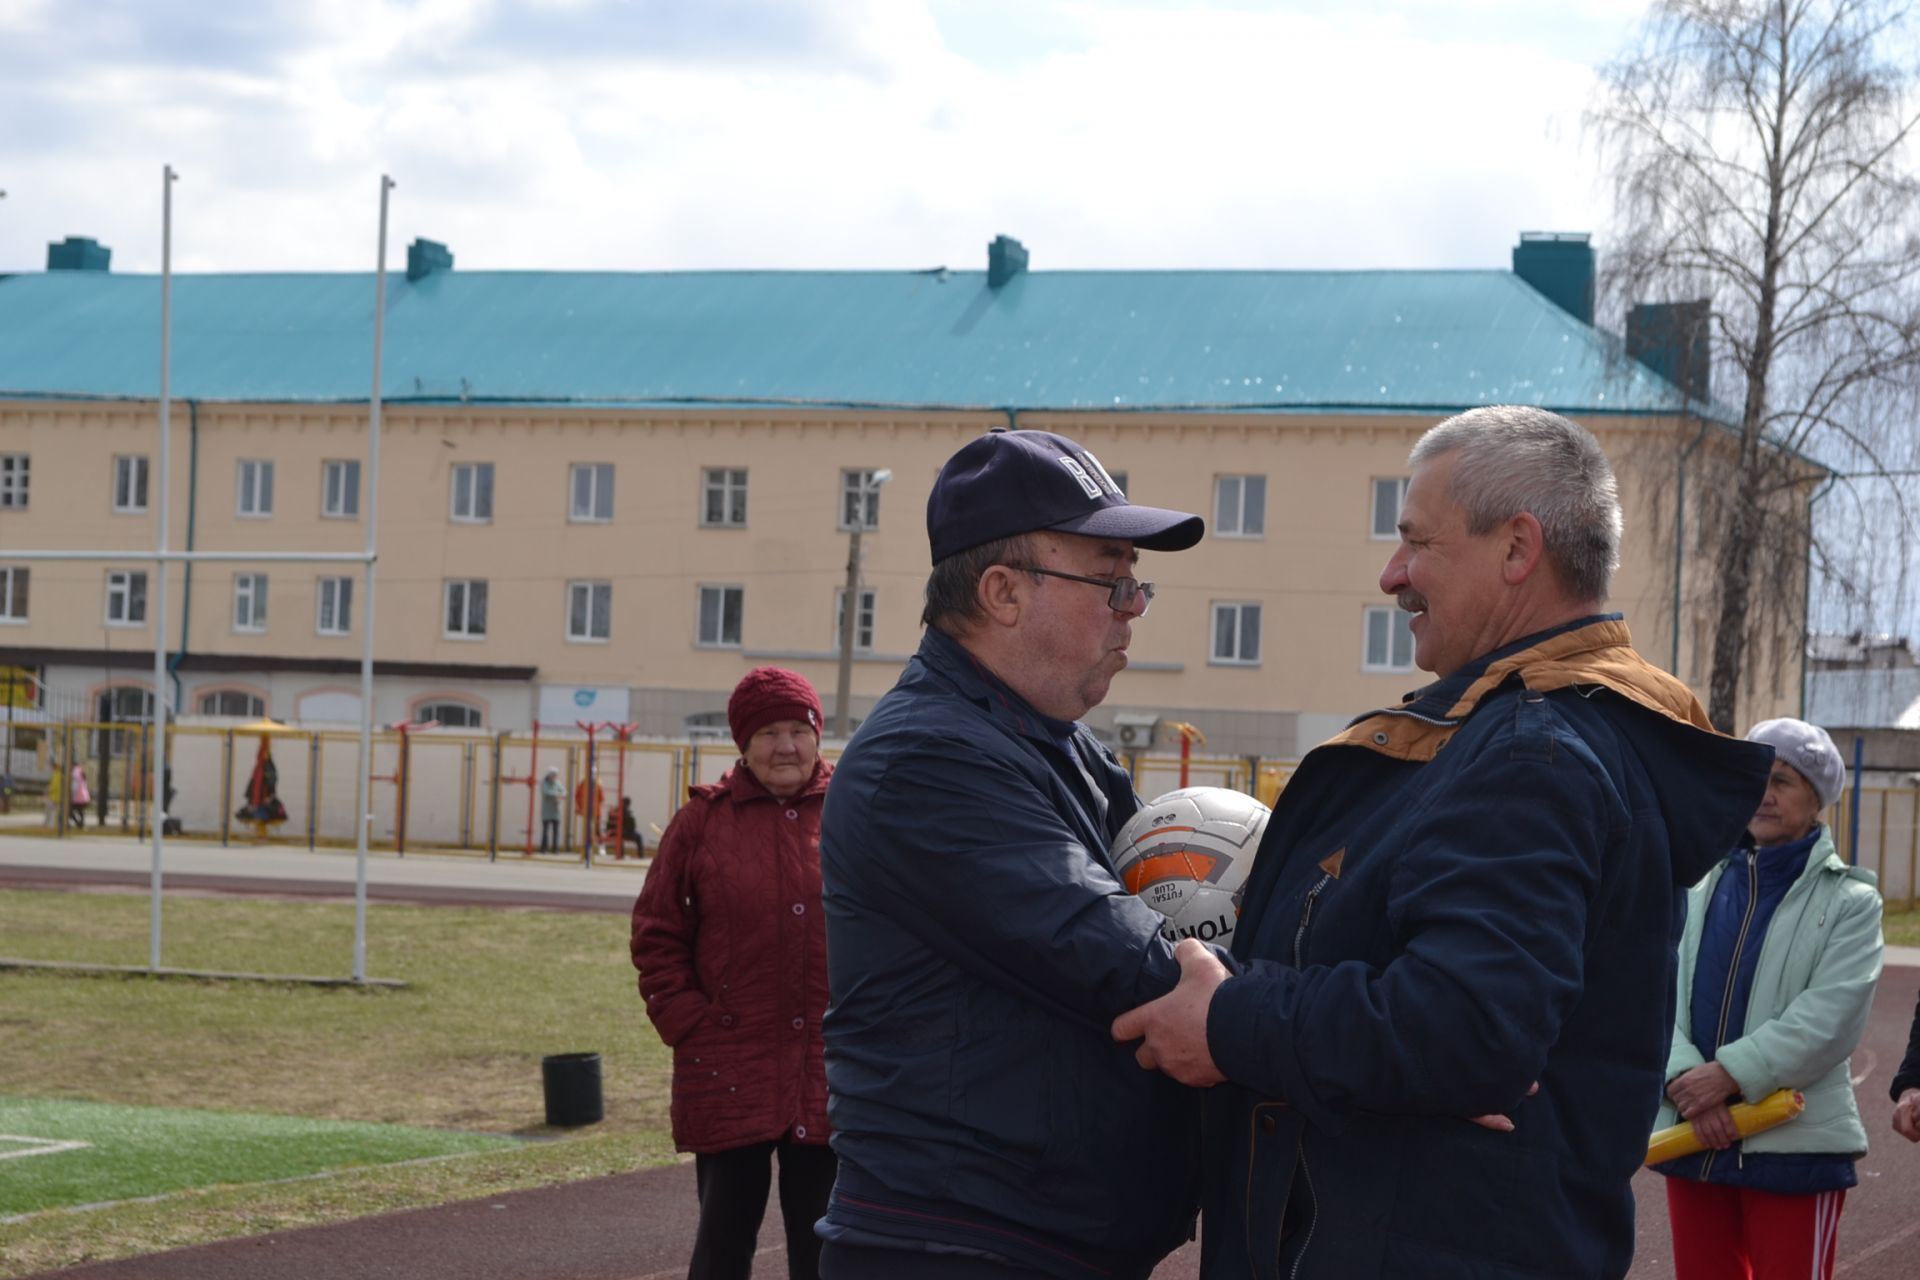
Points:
[(340, 489), (1119, 479), (1389, 492), (126, 598), (122, 704), (14, 581), (14, 469), (466, 608), (720, 610), (724, 498), (1389, 639), (589, 610), (129, 484), (333, 615), (471, 501), (250, 602), (862, 619), (859, 501), (591, 487), (256, 489), (232, 702), (1236, 634), (449, 715), (1240, 506)]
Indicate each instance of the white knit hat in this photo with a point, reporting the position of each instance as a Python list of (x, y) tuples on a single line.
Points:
[(1809, 749)]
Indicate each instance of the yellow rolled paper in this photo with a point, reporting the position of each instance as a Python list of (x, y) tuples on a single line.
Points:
[(1749, 1118)]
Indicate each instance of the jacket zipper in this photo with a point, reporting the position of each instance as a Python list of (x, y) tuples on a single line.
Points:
[(1306, 1174), (1733, 975)]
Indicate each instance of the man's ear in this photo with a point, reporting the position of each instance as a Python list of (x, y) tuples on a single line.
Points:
[(1001, 593), (1526, 549)]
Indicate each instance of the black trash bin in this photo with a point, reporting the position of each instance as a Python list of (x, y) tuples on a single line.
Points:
[(572, 1083)]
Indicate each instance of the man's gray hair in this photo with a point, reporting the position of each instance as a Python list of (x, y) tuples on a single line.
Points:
[(953, 589), (1514, 458)]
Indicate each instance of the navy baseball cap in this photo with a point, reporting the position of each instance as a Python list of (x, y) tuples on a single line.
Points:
[(1010, 482)]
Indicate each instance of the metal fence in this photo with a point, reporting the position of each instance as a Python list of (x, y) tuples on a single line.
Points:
[(441, 790)]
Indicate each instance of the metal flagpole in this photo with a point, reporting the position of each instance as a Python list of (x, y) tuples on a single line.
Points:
[(363, 784), (157, 738)]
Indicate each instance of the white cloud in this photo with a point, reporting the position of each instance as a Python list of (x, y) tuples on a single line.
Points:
[(1133, 136)]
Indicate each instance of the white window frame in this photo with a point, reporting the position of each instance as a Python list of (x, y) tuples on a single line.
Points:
[(16, 593), (200, 701), (340, 498), (131, 472), (472, 620), (1386, 611), (335, 595), (598, 508), (126, 589), (720, 641), (590, 588), (856, 485), (730, 485), (253, 489), (473, 471), (433, 704), (16, 474), (250, 603), (1236, 611), (864, 619), (1237, 484), (1391, 531)]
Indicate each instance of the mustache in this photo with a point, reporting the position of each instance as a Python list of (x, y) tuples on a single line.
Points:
[(1411, 601)]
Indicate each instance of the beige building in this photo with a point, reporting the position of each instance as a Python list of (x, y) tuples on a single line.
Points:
[(625, 553)]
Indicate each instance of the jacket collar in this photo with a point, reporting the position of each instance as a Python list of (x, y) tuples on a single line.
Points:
[(951, 659), (1591, 651)]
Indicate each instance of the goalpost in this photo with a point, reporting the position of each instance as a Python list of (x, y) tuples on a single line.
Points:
[(162, 556)]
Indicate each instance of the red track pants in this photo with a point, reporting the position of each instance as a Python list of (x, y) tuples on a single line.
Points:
[(1729, 1233)]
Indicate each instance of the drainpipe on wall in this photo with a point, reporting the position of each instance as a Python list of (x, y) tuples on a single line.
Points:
[(186, 585), (1806, 607), (1680, 544)]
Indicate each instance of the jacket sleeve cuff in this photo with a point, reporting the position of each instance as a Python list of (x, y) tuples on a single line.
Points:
[(1748, 1068)]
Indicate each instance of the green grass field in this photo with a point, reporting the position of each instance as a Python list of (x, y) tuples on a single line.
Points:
[(458, 1052), (145, 1151)]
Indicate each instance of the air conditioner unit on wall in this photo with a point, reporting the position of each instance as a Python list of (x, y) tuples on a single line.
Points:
[(1134, 729)]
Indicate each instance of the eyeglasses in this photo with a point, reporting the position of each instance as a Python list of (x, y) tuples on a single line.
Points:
[(1126, 595)]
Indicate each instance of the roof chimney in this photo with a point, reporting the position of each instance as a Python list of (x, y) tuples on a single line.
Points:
[(1560, 265), (78, 253), (1006, 258), (1674, 339), (424, 257)]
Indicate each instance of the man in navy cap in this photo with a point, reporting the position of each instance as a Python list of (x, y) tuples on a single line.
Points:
[(978, 940)]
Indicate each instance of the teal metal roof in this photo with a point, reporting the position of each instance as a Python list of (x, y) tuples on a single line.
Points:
[(1065, 340)]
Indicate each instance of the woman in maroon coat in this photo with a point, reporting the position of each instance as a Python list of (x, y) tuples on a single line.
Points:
[(731, 948)]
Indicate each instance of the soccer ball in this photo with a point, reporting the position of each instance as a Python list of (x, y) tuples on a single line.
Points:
[(1187, 854)]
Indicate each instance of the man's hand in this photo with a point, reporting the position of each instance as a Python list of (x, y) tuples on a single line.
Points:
[(1500, 1123), (1174, 1027), (1701, 1089), (1906, 1115)]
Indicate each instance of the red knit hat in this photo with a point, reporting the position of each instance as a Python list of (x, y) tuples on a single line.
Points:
[(767, 694)]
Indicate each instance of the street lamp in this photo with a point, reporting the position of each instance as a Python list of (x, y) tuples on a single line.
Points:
[(850, 602)]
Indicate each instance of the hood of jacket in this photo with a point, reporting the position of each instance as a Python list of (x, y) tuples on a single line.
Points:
[(1595, 657)]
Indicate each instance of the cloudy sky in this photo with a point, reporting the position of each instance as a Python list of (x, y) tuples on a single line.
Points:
[(660, 134)]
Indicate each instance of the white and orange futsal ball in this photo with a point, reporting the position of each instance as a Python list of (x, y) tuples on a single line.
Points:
[(1187, 855)]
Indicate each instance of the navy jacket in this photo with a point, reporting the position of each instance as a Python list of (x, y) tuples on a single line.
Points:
[(1455, 898), (979, 945)]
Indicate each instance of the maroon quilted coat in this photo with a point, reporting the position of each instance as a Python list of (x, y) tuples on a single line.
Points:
[(732, 952)]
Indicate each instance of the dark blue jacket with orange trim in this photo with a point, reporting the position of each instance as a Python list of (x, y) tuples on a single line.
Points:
[(979, 945), (1427, 933)]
